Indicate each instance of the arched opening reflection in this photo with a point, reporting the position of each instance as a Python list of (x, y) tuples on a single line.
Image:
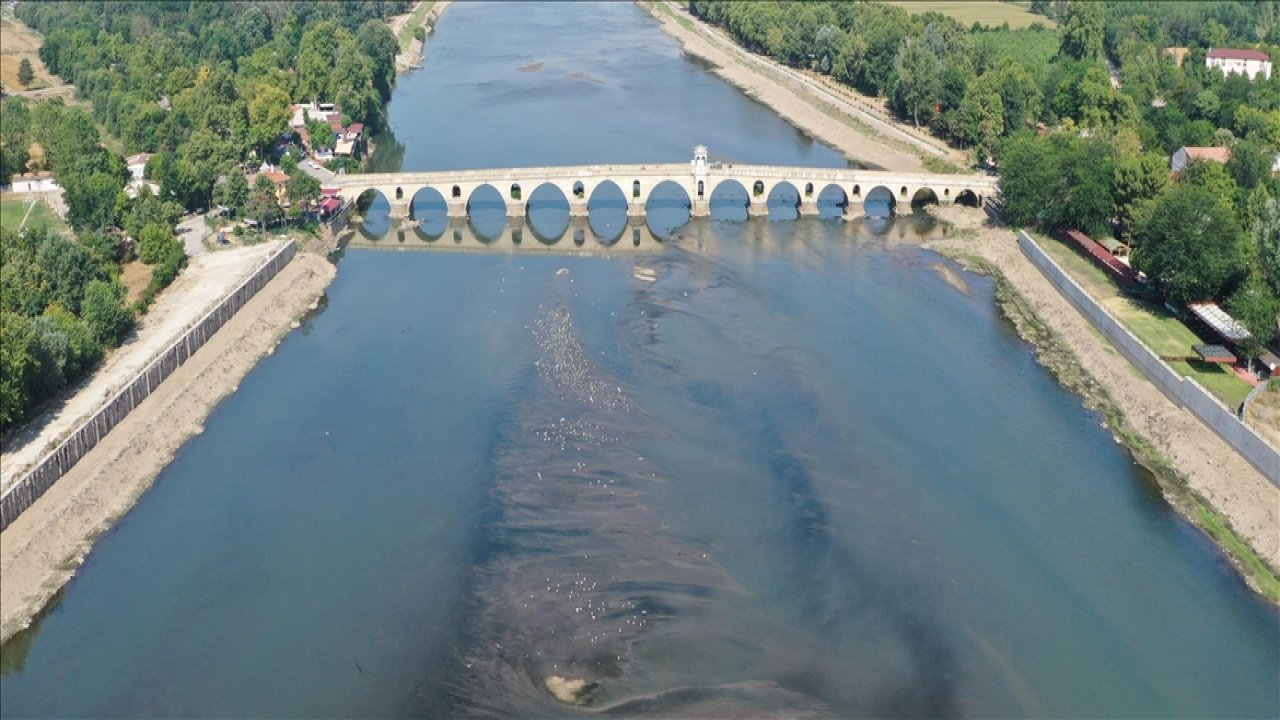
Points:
[(783, 202), (547, 213), (487, 213), (832, 202), (729, 201), (429, 208), (375, 213), (666, 209), (879, 202), (607, 212)]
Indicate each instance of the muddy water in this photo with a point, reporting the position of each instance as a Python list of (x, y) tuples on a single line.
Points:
[(796, 473)]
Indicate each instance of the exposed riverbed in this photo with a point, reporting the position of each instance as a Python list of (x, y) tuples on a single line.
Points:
[(793, 470)]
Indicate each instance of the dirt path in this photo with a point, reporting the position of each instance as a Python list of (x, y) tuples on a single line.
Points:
[(41, 550), (834, 116), (205, 281), (1211, 468)]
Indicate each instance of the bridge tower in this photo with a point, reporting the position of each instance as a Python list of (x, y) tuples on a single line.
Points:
[(701, 196)]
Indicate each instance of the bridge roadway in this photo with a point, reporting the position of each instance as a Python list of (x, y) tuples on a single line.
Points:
[(699, 180)]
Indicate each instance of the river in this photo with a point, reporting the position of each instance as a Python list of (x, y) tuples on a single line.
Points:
[(797, 474)]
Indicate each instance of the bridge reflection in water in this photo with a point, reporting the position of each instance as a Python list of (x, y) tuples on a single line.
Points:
[(517, 236)]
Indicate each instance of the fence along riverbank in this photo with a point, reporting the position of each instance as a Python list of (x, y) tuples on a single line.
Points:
[(54, 465), (1182, 391)]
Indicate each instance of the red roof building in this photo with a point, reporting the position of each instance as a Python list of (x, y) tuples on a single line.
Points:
[(1243, 61)]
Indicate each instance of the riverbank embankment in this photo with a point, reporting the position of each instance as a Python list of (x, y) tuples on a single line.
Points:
[(410, 56), (41, 550), (860, 136), (1200, 475)]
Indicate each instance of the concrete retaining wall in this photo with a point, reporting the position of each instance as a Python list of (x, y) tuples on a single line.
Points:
[(1183, 391), (27, 490)]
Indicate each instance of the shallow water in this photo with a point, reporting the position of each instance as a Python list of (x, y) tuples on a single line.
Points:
[(798, 474)]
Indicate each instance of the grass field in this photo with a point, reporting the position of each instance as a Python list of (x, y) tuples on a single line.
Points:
[(992, 14), (405, 37), (14, 207), (1158, 328)]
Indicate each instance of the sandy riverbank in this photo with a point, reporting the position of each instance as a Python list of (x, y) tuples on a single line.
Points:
[(411, 58), (1194, 466), (206, 280), (860, 137), (41, 550)]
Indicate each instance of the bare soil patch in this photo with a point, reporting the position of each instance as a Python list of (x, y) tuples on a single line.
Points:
[(17, 43), (135, 276)]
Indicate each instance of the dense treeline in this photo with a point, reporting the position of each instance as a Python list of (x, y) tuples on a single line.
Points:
[(204, 86), (61, 305), (207, 85), (1073, 150)]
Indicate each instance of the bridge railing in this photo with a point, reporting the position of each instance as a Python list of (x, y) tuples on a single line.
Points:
[(735, 170)]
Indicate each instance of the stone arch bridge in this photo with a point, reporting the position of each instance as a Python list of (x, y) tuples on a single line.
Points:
[(699, 180)]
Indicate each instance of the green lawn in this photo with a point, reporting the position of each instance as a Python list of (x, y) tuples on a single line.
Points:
[(1222, 383), (14, 207), (991, 13), (1155, 325), (1158, 328)]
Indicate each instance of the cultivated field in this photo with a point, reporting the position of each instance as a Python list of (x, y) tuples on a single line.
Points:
[(993, 14)]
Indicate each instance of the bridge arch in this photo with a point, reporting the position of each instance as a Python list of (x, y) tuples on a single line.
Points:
[(783, 201), (666, 207), (808, 189), (547, 212), (879, 201), (728, 201), (607, 211), (968, 197), (430, 210), (635, 189), (832, 201), (924, 196), (487, 212)]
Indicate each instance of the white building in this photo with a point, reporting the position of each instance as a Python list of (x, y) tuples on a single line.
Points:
[(35, 183), (137, 165), (1235, 60)]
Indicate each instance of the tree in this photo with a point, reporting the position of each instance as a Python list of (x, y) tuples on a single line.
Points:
[(233, 192), (981, 119), (17, 366), (303, 188), (105, 312), (1190, 244), (1138, 180), (1030, 170), (1082, 30), (268, 116), (25, 73), (156, 243), (919, 73), (1210, 175)]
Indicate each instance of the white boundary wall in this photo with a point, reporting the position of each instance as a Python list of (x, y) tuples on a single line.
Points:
[(26, 491), (1183, 391)]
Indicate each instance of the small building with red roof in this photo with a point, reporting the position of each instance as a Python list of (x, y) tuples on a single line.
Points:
[(1187, 153)]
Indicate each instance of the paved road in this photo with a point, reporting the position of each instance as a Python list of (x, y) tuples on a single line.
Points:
[(320, 173), (192, 230)]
